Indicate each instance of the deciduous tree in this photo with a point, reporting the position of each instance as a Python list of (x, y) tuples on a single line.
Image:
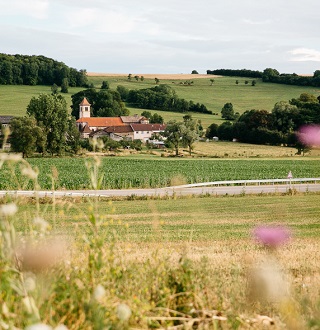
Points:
[(50, 111), (173, 133), (64, 86), (105, 85), (26, 136), (227, 112)]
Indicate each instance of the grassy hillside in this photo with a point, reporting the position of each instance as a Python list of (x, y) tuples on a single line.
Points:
[(224, 89), (14, 99)]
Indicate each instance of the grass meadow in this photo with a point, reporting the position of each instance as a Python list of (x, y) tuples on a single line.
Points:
[(188, 263), (224, 89), (14, 99), (170, 263)]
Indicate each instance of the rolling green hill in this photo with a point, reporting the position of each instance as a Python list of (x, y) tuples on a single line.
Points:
[(14, 99)]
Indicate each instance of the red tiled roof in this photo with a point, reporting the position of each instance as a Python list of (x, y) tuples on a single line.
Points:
[(102, 121), (133, 119), (148, 127), (118, 129), (84, 102), (86, 129)]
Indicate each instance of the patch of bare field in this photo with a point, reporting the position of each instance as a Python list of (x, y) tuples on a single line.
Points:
[(164, 76)]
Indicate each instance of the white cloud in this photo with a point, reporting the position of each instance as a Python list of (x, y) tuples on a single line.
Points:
[(33, 8), (305, 54), (251, 22), (100, 21)]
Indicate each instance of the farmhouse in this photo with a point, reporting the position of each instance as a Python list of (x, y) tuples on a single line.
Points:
[(134, 127), (5, 121)]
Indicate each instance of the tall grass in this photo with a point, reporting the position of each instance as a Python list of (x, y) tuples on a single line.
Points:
[(86, 271)]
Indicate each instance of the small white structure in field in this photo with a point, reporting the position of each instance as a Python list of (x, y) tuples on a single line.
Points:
[(215, 139)]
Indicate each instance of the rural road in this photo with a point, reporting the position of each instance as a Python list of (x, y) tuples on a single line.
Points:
[(178, 191)]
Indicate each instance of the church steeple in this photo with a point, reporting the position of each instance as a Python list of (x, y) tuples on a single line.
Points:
[(84, 109)]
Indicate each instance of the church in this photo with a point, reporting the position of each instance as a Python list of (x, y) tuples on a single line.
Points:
[(134, 127)]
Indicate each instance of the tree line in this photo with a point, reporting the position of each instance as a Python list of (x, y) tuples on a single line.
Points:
[(236, 73), (38, 70), (277, 127), (273, 76), (161, 97)]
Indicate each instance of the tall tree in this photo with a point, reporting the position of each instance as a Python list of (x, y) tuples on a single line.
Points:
[(50, 111), (173, 133), (105, 85), (64, 85), (227, 112), (26, 136), (72, 136), (189, 137), (212, 131)]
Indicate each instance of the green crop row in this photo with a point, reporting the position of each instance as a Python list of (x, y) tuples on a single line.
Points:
[(120, 173)]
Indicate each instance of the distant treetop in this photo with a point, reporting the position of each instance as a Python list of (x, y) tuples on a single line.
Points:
[(38, 70)]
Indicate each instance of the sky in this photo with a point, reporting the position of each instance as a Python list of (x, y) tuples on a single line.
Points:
[(165, 36)]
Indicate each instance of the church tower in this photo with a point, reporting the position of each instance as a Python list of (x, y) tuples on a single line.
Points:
[(84, 111)]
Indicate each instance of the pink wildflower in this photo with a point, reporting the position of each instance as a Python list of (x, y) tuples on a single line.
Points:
[(271, 236), (310, 135)]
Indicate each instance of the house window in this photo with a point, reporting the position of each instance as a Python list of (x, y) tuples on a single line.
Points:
[(86, 108), (137, 132)]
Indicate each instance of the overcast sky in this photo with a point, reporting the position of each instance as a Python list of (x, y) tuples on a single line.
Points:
[(165, 36)]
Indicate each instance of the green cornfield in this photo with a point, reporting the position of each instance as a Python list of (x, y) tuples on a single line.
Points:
[(122, 173)]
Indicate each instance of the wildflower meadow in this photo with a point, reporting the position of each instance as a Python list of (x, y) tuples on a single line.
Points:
[(249, 262)]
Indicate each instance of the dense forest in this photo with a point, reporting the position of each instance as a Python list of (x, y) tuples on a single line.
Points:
[(38, 70), (273, 76)]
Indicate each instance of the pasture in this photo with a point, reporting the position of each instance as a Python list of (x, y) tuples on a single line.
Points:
[(224, 89), (14, 99)]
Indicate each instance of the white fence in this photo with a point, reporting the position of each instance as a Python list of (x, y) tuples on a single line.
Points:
[(251, 182)]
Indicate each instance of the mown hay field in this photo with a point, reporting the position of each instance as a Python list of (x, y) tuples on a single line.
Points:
[(169, 263)]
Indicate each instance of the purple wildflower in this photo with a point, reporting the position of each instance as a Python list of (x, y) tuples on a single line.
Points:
[(271, 236), (310, 135)]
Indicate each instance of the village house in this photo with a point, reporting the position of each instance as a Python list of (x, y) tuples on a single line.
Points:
[(5, 121), (134, 127)]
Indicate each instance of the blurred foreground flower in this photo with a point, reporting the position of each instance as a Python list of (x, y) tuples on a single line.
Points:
[(310, 135), (8, 209), (267, 282), (99, 292), (42, 326), (271, 236), (39, 326), (123, 312), (41, 256)]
